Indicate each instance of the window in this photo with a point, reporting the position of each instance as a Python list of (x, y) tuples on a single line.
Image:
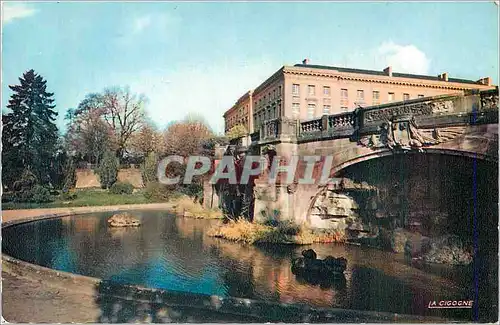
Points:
[(279, 91), (376, 97), (343, 97), (360, 95), (391, 97), (311, 90), (326, 109), (311, 109), (326, 90), (406, 96), (420, 96), (295, 109), (296, 89), (344, 109)]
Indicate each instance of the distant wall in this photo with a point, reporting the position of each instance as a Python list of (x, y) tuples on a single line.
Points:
[(132, 176), (87, 178)]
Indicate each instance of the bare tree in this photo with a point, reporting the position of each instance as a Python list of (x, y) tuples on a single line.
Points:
[(124, 113)]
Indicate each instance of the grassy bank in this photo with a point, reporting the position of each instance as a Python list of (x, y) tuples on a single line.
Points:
[(187, 207), (87, 197), (242, 230)]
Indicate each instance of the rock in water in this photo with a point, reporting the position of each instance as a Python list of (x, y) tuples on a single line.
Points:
[(309, 254), (124, 220), (309, 264)]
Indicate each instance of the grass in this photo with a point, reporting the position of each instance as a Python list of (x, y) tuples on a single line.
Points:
[(243, 230), (87, 197), (187, 207)]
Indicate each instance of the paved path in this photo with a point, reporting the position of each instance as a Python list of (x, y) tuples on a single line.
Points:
[(11, 215)]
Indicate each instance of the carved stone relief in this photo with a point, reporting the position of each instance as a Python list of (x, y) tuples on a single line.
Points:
[(404, 134)]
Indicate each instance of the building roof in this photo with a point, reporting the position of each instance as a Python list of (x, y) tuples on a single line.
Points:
[(382, 73)]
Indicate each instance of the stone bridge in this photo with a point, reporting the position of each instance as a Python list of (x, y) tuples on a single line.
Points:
[(451, 125)]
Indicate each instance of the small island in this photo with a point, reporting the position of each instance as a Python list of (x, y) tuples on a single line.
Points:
[(124, 220)]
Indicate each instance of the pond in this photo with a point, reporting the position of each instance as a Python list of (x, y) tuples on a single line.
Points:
[(174, 253)]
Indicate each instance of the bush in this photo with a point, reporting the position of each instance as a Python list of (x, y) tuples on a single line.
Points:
[(121, 188), (108, 170), (70, 175), (40, 194), (36, 194), (149, 168), (158, 192), (67, 195)]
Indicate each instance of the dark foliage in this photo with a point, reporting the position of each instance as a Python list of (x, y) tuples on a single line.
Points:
[(121, 188), (29, 134)]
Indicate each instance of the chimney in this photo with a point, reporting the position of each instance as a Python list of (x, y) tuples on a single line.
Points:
[(388, 71), (485, 81), (305, 61), (443, 76)]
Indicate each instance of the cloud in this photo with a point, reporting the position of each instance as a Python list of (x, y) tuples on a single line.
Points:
[(158, 21), (141, 23), (403, 58), (11, 11)]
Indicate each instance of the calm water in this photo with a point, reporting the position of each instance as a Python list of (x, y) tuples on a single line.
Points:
[(174, 253)]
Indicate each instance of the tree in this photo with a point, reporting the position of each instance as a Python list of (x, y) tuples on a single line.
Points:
[(147, 140), (87, 132), (149, 168), (70, 175), (236, 132), (185, 138), (124, 113), (29, 135), (108, 170)]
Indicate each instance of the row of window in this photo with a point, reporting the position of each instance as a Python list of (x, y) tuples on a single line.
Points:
[(360, 94), (264, 115), (311, 110), (271, 96), (311, 90)]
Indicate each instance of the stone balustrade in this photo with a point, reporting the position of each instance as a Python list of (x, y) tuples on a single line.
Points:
[(429, 112)]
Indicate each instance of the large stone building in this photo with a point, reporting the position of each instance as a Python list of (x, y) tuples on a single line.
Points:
[(305, 91)]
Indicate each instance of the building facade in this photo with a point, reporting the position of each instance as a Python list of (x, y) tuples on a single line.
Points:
[(306, 91), (240, 114)]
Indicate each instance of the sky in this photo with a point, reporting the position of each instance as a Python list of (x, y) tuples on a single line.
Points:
[(199, 58)]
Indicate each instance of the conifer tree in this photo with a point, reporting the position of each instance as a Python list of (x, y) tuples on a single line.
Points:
[(29, 134)]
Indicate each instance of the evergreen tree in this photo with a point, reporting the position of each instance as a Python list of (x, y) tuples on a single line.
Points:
[(149, 169), (108, 170), (29, 134)]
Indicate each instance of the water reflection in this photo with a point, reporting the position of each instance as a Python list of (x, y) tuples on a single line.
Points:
[(175, 253)]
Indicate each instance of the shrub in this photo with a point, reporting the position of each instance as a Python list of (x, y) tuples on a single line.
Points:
[(67, 195), (149, 168), (40, 194), (158, 192), (121, 188), (108, 170), (25, 182), (69, 175), (36, 194)]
